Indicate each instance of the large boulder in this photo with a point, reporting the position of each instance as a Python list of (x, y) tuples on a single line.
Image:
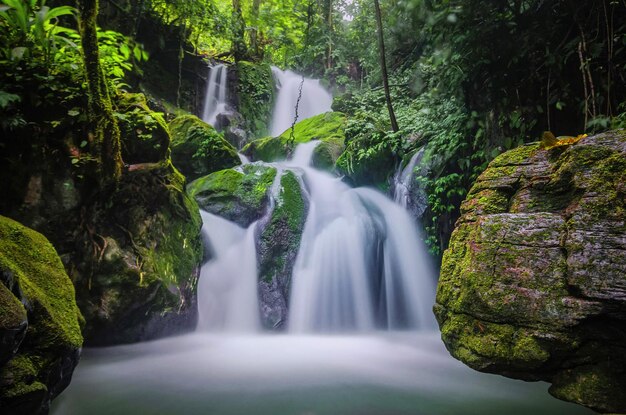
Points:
[(136, 264), (197, 149), (40, 338), (278, 248), (240, 196), (145, 137), (533, 285), (327, 128)]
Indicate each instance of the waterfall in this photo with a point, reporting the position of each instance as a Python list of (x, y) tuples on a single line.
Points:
[(227, 294), (361, 264), (215, 98), (314, 100), (406, 192)]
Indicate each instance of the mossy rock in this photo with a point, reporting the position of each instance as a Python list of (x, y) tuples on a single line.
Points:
[(367, 163), (532, 284), (136, 271), (254, 91), (197, 149), (39, 321), (145, 137), (327, 128), (240, 196), (278, 249)]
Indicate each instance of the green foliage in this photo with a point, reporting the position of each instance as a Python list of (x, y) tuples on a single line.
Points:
[(33, 29)]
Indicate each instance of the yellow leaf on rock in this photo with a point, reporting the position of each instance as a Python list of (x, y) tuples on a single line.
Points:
[(548, 140)]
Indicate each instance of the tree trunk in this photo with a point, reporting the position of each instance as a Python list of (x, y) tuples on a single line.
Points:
[(329, 28), (239, 27), (106, 133), (383, 67), (254, 31)]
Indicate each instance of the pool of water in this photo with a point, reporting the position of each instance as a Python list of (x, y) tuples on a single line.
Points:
[(377, 374)]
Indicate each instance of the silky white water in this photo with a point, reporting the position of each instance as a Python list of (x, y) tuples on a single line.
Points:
[(227, 294), (215, 99), (402, 180), (263, 374), (361, 263), (314, 100)]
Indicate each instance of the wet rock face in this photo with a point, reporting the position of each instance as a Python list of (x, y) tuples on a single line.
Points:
[(136, 268), (533, 285), (40, 336), (278, 248)]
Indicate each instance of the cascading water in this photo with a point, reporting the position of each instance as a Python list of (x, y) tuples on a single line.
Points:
[(406, 191), (313, 101), (361, 264), (215, 99), (227, 295)]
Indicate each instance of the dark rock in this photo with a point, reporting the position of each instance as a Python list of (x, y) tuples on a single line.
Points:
[(277, 250), (145, 137), (197, 149), (136, 266), (533, 285), (40, 338)]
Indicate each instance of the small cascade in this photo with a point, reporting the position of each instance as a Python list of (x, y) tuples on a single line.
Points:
[(215, 99), (359, 265), (314, 100), (406, 192), (227, 293), (244, 160)]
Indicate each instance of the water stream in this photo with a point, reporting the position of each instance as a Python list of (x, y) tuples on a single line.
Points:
[(314, 99), (215, 97)]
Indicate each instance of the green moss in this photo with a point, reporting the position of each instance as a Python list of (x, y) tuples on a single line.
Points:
[(324, 127), (515, 157), (327, 128), (255, 93), (485, 345), (598, 383), (12, 312), (49, 349), (281, 237), (24, 381), (197, 149), (144, 133), (39, 273), (237, 196)]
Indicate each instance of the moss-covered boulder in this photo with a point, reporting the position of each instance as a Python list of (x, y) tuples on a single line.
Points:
[(278, 248), (254, 96), (327, 128), (144, 134), (239, 195), (197, 149), (533, 285), (136, 264), (40, 336)]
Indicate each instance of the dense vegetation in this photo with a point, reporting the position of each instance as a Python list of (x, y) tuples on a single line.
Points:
[(472, 79)]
